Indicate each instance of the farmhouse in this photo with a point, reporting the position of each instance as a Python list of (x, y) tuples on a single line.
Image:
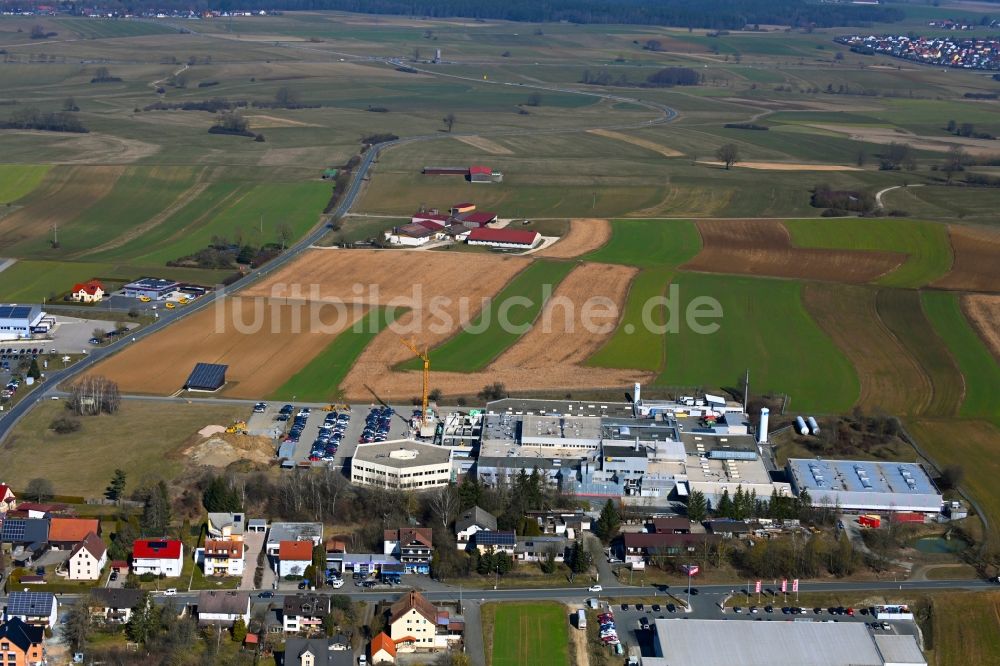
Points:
[(401, 464), (18, 322), (88, 559), (152, 288), (207, 377), (861, 485), (158, 556), (91, 291), (515, 239)]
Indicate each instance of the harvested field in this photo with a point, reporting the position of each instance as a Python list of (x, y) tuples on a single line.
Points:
[(263, 341), (268, 122), (484, 144), (94, 147), (887, 135), (891, 379), (764, 247), (984, 313), (548, 356), (64, 194), (637, 141), (783, 166), (977, 259), (585, 235)]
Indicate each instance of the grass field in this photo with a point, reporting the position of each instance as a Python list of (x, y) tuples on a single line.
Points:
[(518, 304), (83, 462), (966, 628), (526, 634), (926, 243), (320, 380), (17, 180), (649, 243), (978, 367), (764, 327), (634, 345)]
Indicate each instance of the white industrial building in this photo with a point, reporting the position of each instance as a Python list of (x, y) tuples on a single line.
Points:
[(403, 464), (865, 485), (693, 642), (18, 322)]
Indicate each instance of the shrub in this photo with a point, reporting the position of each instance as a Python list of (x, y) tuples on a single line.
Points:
[(147, 577), (65, 425)]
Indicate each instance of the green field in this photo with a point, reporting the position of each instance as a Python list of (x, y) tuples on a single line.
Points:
[(966, 628), (527, 634), (320, 380), (517, 304), (926, 242), (17, 180), (650, 243), (979, 368), (764, 328), (642, 348)]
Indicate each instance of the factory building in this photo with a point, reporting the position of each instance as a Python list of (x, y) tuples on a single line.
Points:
[(864, 485), (18, 322)]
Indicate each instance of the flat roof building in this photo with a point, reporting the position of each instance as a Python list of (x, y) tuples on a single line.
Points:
[(402, 464), (693, 642), (150, 287), (18, 322), (208, 377), (865, 485)]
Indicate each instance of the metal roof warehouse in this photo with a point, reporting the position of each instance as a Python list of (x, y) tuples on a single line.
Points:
[(864, 485)]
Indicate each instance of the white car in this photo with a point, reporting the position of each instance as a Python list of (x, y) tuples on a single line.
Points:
[(337, 584), (170, 591), (595, 588)]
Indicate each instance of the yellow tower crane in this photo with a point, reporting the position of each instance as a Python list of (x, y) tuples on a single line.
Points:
[(422, 355)]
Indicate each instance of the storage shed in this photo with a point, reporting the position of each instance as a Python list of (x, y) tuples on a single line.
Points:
[(206, 377)]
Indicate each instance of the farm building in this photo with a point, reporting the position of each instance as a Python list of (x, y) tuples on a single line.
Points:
[(863, 485), (464, 207), (401, 464), (475, 219), (18, 322), (91, 291), (445, 171), (434, 218), (484, 174), (149, 287), (515, 239), (206, 377), (716, 642), (411, 235)]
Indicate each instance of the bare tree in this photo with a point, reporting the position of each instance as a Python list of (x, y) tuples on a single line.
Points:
[(93, 395), (287, 97), (444, 503), (728, 154), (449, 121), (954, 162), (39, 490), (285, 234)]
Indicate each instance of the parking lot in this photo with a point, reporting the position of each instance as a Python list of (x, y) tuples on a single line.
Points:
[(267, 424)]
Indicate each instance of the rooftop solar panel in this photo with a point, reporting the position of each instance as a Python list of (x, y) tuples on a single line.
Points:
[(14, 311), (29, 603), (490, 538), (13, 530), (207, 377)]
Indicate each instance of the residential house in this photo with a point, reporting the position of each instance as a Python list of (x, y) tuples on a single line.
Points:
[(413, 622), (639, 547), (158, 556), (568, 523), (66, 533), (412, 545), (91, 291), (340, 642), (292, 532), (113, 605), (223, 607), (496, 541), (304, 612), (294, 557), (37, 608), (222, 557), (727, 528), (315, 652), (21, 644), (537, 548), (228, 526), (382, 649), (8, 501), (470, 522), (257, 525), (671, 525), (88, 558), (28, 538)]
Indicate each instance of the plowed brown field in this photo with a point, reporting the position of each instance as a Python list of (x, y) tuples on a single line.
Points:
[(977, 260), (545, 357), (983, 312), (891, 379), (584, 236), (764, 247)]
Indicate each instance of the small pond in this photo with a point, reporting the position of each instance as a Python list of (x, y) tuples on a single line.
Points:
[(940, 545)]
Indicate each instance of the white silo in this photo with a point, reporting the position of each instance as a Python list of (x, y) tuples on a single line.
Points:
[(800, 425), (637, 394), (813, 426), (762, 429)]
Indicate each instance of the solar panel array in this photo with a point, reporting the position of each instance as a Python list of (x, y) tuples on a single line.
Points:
[(209, 376), (29, 603), (14, 311), (13, 530), (490, 538)]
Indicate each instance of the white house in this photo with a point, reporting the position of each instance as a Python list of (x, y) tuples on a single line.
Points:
[(223, 607), (37, 608), (413, 622), (8, 501), (91, 291), (229, 526), (88, 559), (470, 522), (294, 557), (158, 556), (221, 557)]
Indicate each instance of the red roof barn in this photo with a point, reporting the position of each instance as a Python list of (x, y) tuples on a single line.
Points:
[(515, 238)]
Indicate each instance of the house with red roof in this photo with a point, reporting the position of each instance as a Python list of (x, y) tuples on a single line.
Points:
[(65, 533), (158, 556), (294, 557), (514, 239), (91, 291), (382, 649), (8, 501)]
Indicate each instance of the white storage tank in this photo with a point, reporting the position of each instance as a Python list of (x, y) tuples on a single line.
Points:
[(800, 425), (813, 426)]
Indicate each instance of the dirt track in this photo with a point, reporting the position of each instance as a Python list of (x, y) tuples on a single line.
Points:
[(546, 357), (585, 235), (977, 260), (784, 166), (983, 312), (637, 141), (486, 145), (764, 247)]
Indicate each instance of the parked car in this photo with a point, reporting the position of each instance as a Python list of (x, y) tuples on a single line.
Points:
[(260, 408), (595, 588), (266, 595), (170, 591)]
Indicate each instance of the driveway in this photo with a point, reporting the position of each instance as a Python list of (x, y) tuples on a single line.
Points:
[(606, 576), (254, 542), (474, 645)]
